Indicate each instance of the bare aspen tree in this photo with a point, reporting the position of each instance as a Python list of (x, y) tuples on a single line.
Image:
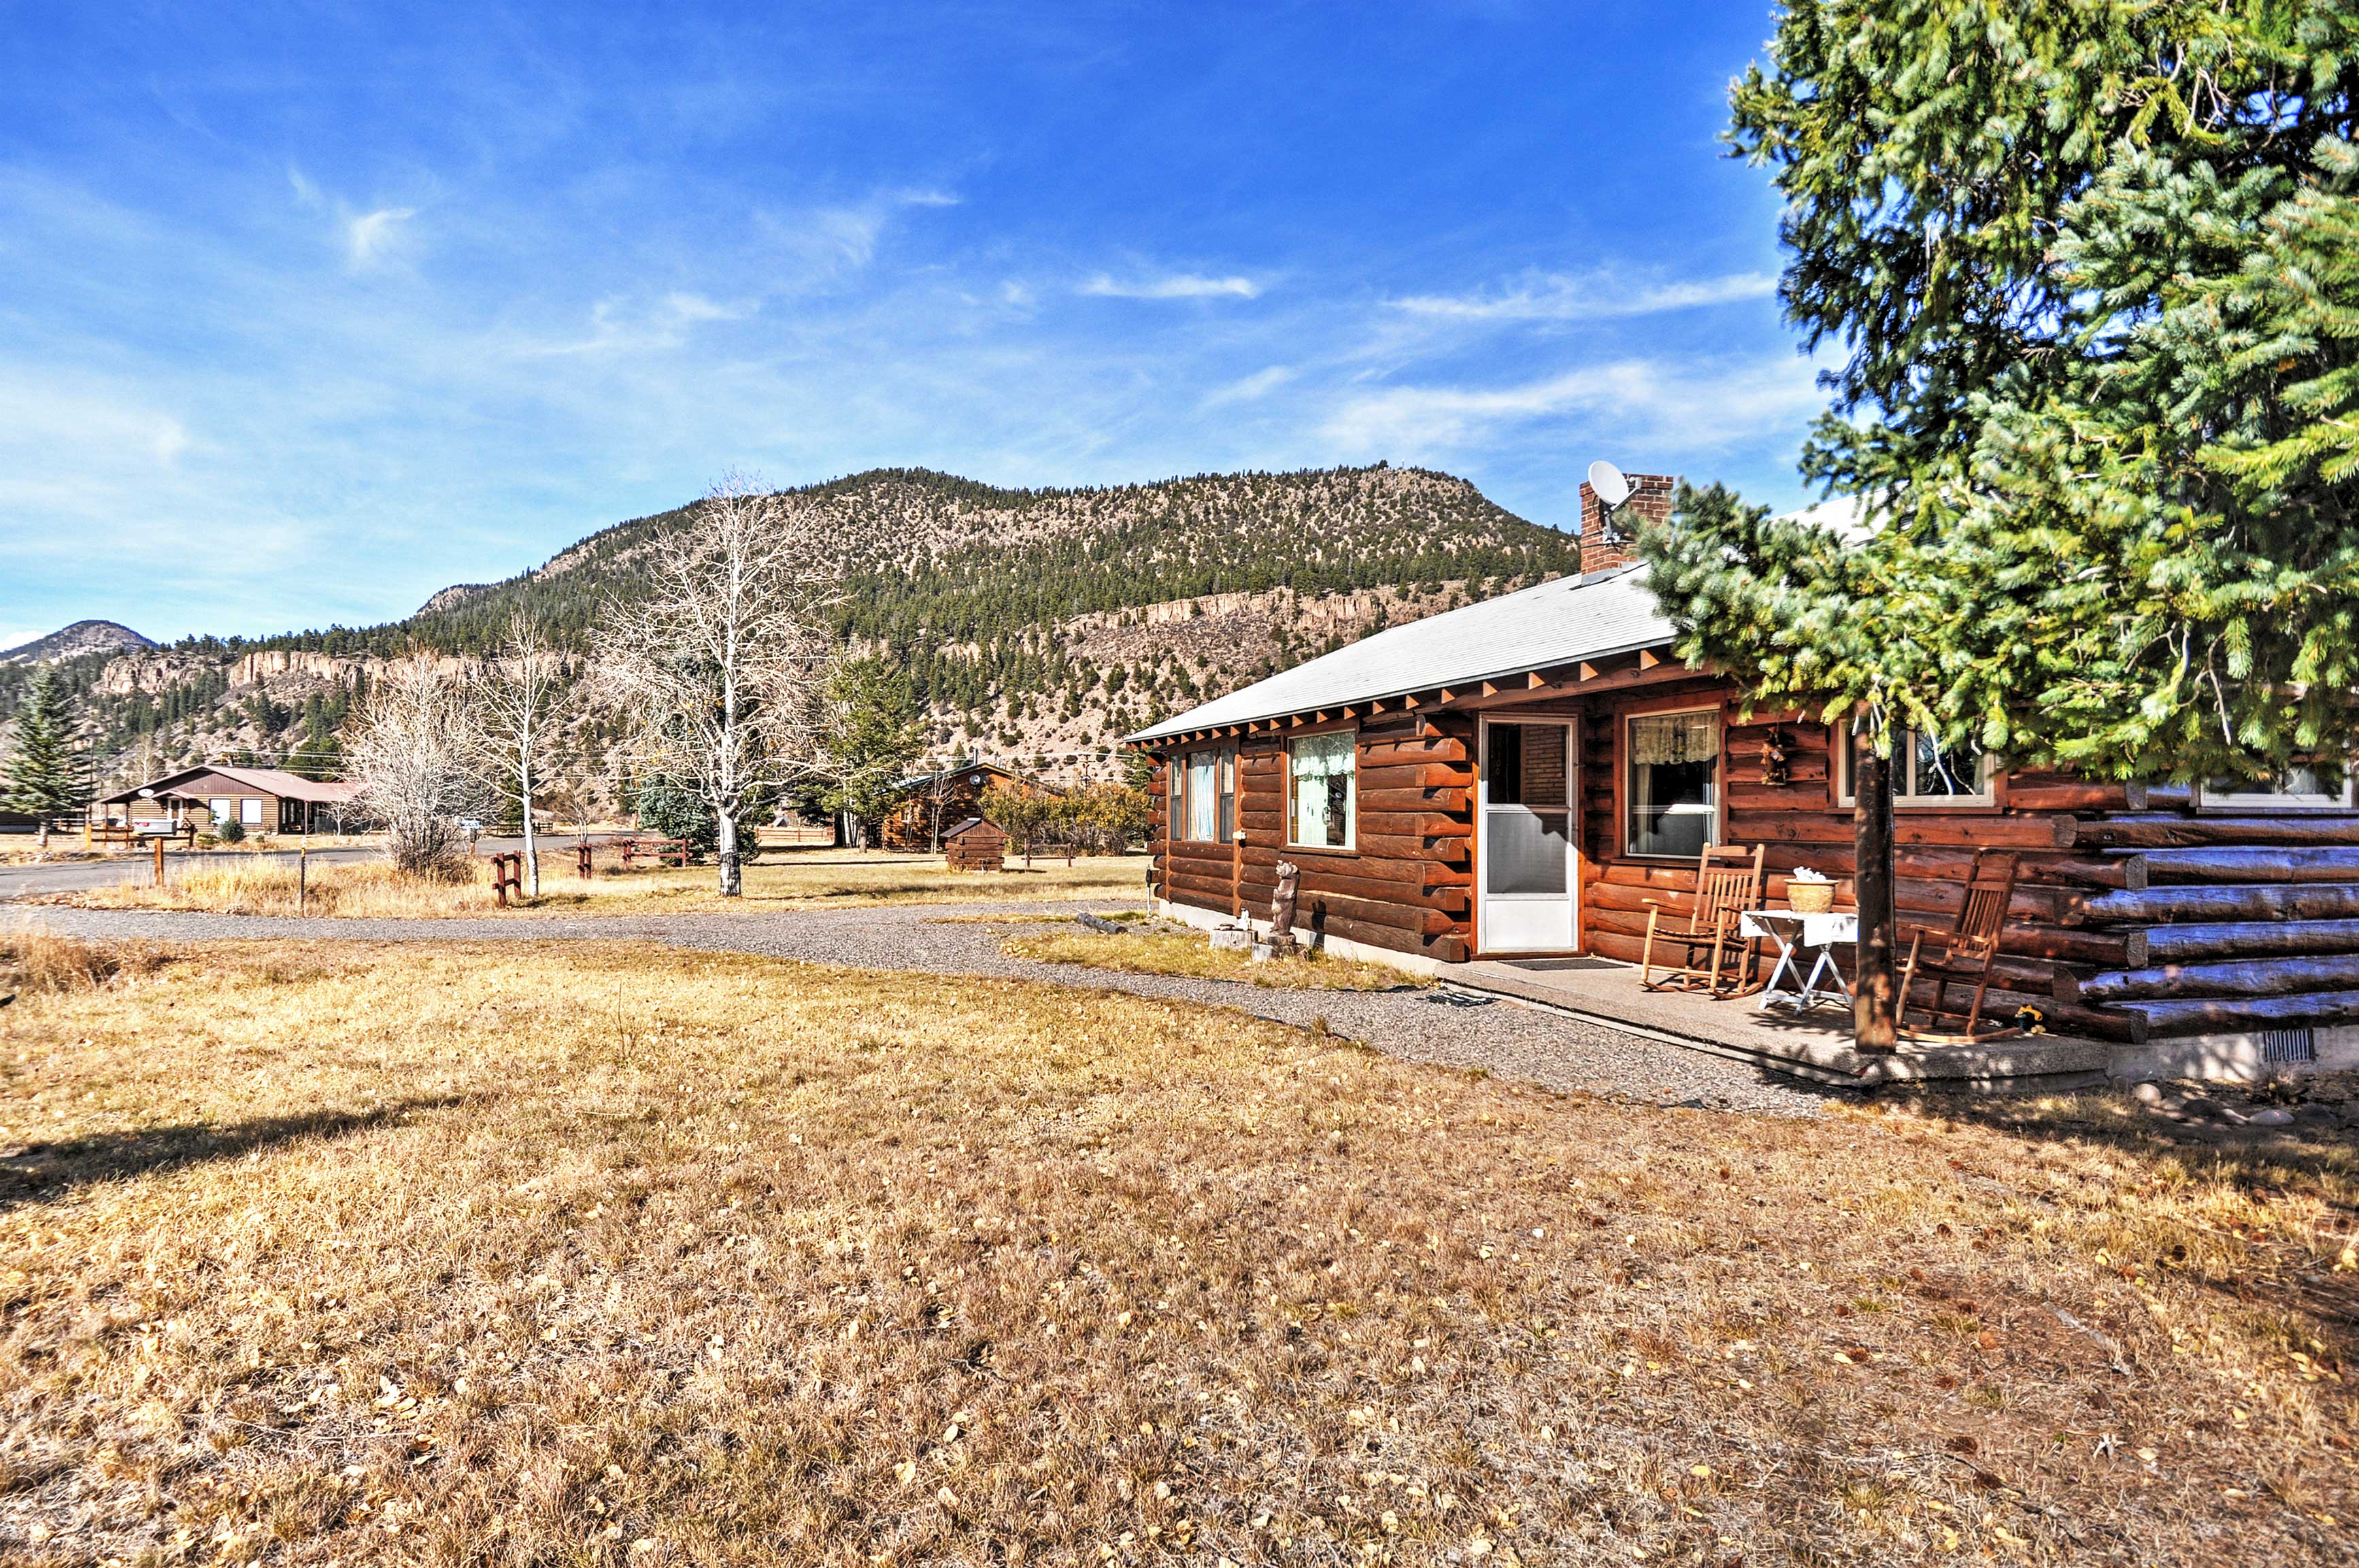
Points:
[(720, 662), (413, 753), (519, 696)]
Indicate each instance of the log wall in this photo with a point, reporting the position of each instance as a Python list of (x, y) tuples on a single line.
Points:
[(2133, 915)]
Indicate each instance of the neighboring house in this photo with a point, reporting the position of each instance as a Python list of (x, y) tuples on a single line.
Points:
[(260, 800), (931, 804), (1523, 776)]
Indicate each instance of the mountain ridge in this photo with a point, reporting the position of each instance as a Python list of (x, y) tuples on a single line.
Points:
[(1039, 625)]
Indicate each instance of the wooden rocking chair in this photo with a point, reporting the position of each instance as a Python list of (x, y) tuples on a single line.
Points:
[(1965, 953), (1728, 883)]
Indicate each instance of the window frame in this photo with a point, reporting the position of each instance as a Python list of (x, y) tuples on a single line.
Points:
[(2242, 803), (1351, 844), (1624, 784), (1985, 799), (1225, 794)]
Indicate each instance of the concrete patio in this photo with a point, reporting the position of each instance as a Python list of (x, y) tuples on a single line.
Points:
[(1815, 1045)]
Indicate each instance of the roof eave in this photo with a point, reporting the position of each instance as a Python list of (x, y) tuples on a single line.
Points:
[(1173, 729)]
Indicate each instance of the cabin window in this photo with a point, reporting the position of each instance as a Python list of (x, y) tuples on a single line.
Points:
[(2295, 790), (250, 810), (1211, 809), (223, 807), (1924, 772), (1323, 776), (1673, 789)]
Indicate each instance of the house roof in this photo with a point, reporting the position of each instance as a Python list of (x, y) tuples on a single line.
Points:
[(1557, 622), (269, 781), (972, 765)]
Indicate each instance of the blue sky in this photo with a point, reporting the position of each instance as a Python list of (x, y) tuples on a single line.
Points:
[(306, 312)]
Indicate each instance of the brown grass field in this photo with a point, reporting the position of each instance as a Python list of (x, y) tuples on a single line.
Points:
[(600, 1254), (1188, 953), (795, 879)]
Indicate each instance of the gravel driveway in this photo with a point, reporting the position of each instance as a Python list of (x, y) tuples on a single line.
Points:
[(1453, 1029)]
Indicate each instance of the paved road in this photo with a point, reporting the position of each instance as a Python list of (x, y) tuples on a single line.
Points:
[(1453, 1029)]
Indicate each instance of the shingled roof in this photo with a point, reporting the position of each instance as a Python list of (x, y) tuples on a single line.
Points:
[(1570, 619)]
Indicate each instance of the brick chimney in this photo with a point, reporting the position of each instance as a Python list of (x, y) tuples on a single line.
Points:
[(1650, 498)]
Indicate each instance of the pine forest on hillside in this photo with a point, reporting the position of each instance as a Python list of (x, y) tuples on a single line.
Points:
[(1034, 625)]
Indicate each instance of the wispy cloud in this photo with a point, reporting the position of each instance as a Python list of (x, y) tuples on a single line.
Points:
[(1251, 389), (1559, 297), (1176, 286), (371, 235), (1688, 406)]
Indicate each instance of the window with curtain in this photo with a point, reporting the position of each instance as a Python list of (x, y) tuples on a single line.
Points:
[(1323, 774), (1205, 796), (1673, 782)]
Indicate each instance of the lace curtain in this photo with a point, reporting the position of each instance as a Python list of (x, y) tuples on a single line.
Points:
[(1670, 739)]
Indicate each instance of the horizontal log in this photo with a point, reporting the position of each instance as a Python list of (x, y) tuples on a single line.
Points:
[(1201, 857), (1199, 890), (1387, 752), (1434, 799), (2253, 901), (2034, 792), (1406, 824), (1417, 776), (2244, 863), (2248, 939), (1455, 851), (1987, 830), (2196, 832), (2236, 977), (1364, 890), (1396, 939), (2243, 1014), (1369, 901)]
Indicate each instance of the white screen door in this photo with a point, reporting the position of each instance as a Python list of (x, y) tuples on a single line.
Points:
[(1526, 868)]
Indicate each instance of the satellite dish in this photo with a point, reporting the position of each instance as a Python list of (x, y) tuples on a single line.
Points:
[(147, 794), (1609, 483)]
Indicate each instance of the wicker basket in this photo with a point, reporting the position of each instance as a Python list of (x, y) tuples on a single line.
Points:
[(1811, 897)]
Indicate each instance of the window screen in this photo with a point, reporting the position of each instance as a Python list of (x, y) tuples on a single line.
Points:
[(1526, 823), (1324, 781)]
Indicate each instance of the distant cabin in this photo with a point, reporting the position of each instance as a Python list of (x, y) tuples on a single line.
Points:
[(259, 799), (975, 845), (930, 804)]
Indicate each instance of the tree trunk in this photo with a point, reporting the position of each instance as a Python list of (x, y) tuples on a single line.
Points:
[(732, 883), (531, 853), (1876, 1016)]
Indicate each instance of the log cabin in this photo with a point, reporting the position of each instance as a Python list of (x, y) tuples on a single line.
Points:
[(259, 799), (930, 804), (1523, 777)]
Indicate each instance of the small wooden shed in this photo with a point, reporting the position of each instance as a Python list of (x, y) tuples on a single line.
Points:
[(977, 843)]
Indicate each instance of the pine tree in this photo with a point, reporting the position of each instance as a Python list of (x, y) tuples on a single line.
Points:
[(48, 776), (2089, 264)]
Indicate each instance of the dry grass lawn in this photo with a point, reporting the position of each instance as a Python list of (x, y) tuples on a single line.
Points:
[(1171, 953), (799, 879), (568, 1254)]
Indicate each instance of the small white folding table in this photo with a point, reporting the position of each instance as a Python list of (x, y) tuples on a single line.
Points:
[(1794, 933)]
